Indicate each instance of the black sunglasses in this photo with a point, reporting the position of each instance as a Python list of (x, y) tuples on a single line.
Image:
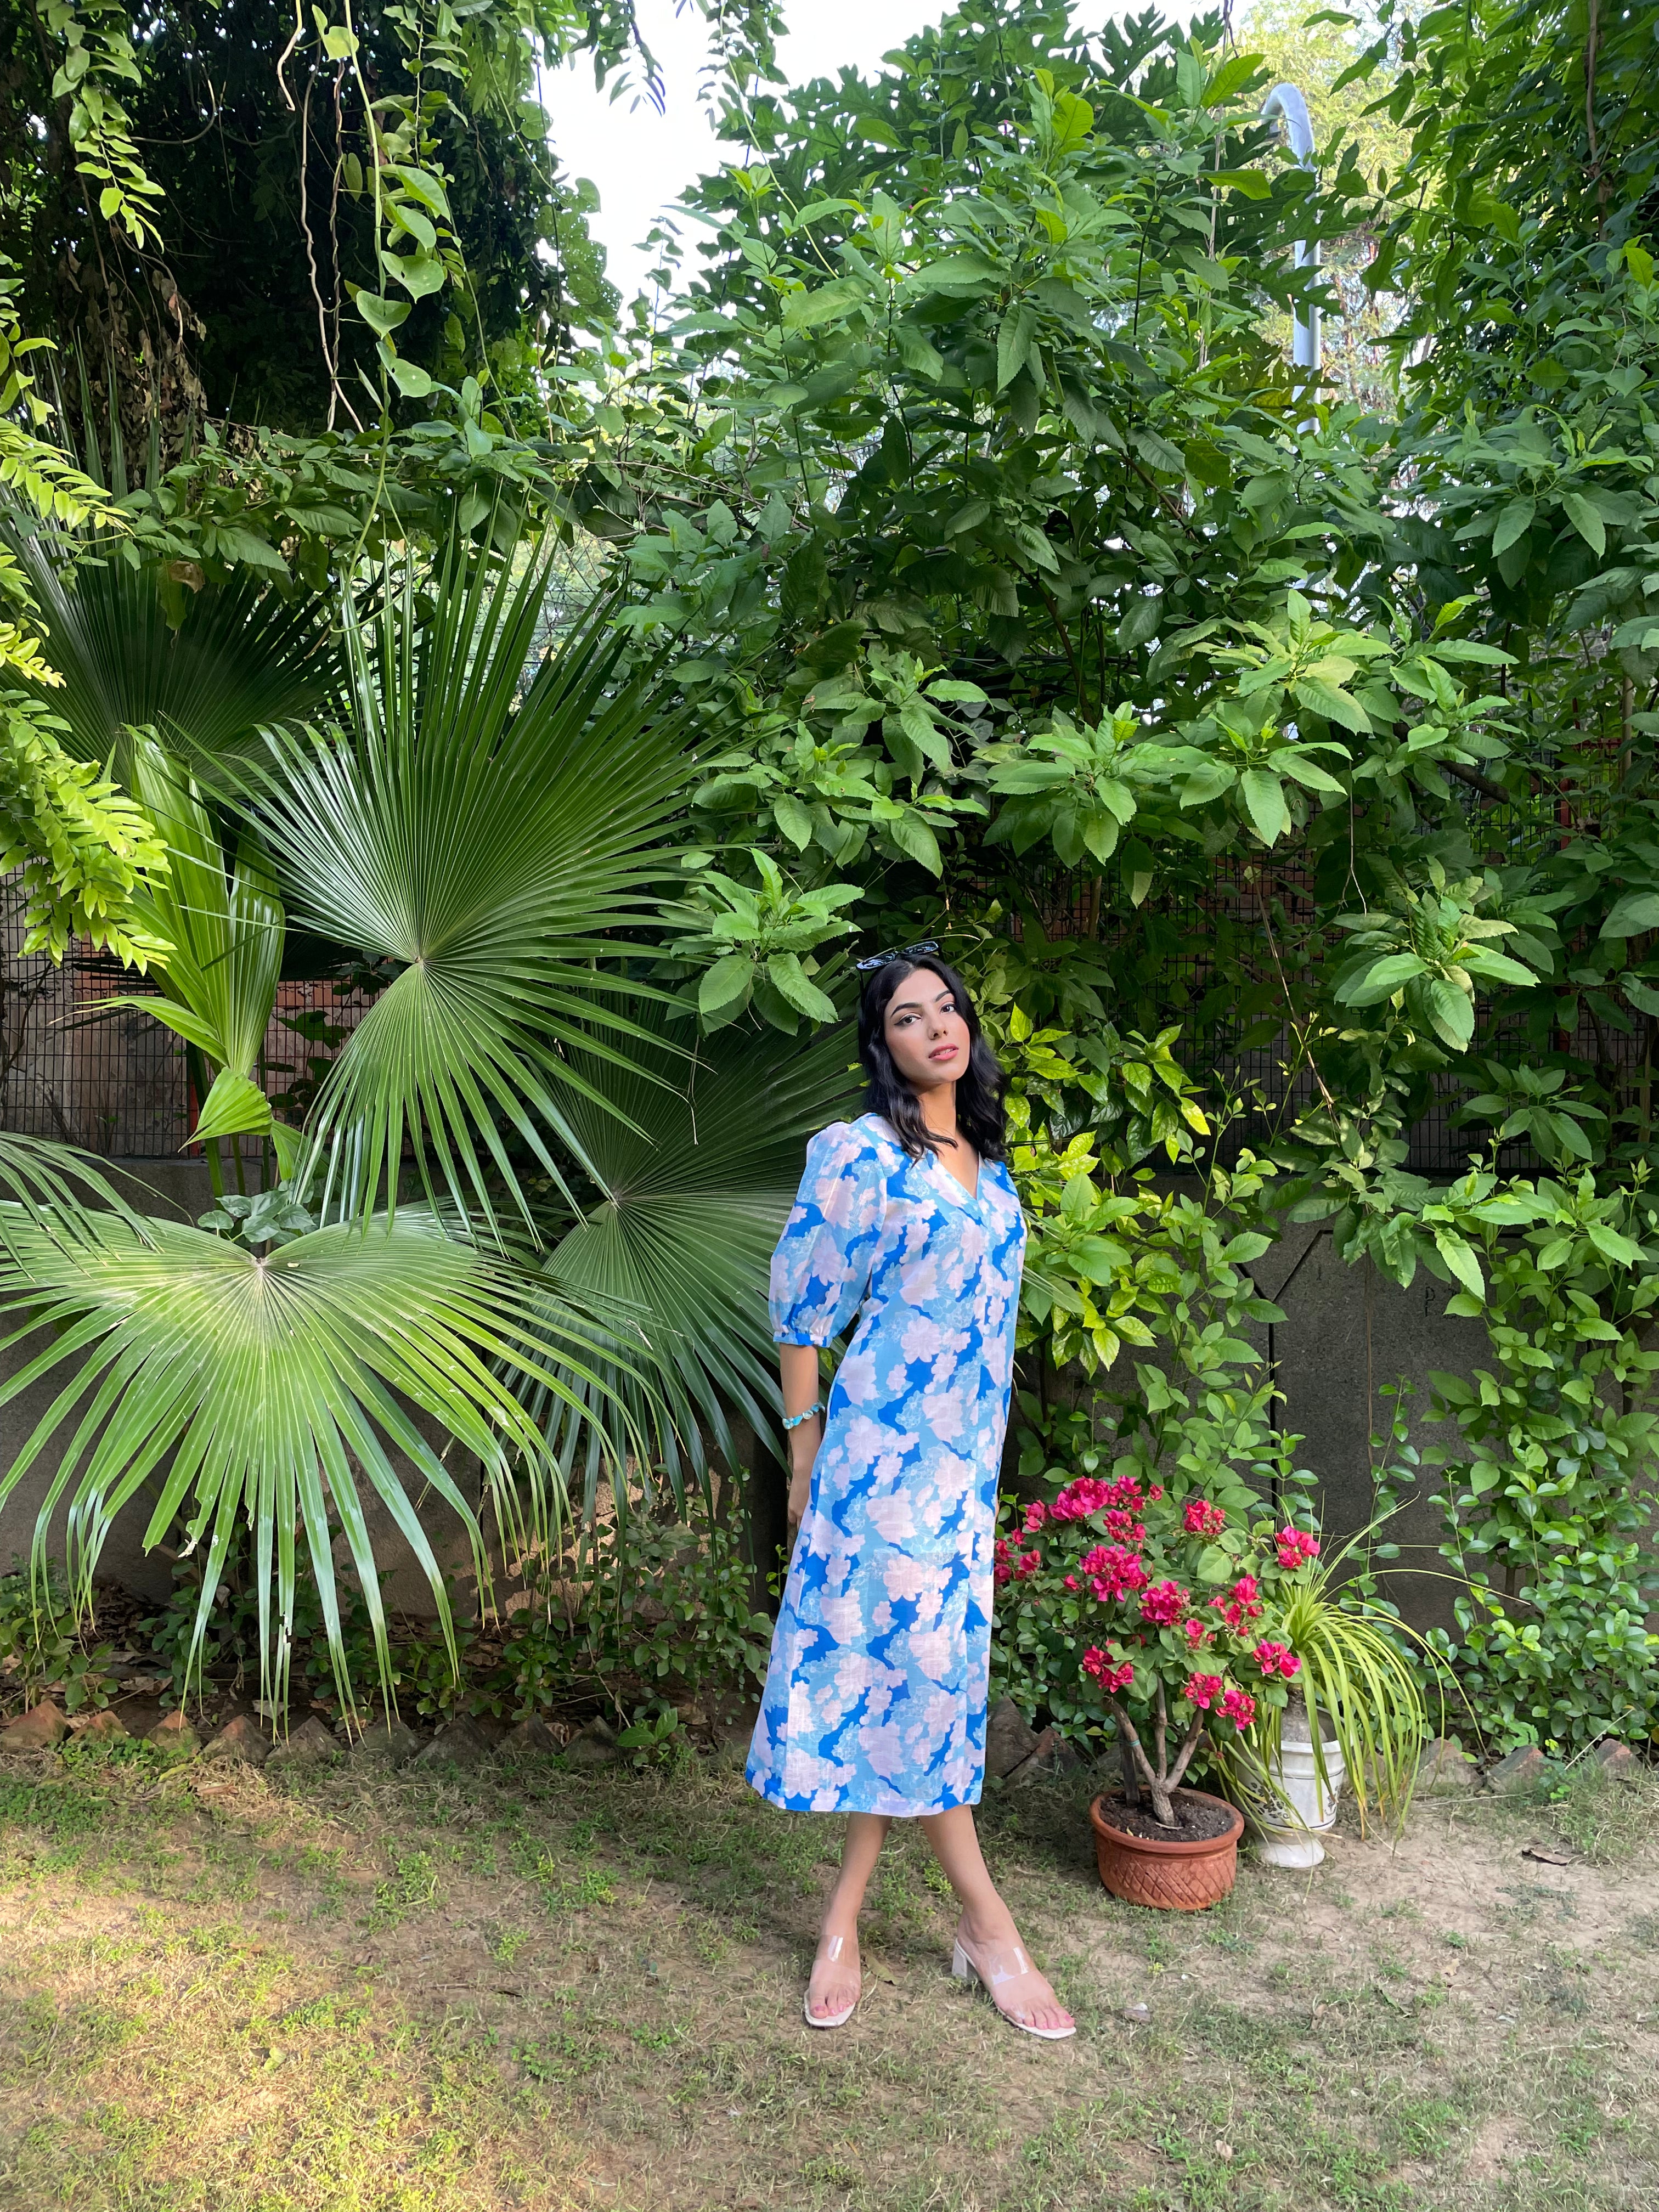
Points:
[(898, 952)]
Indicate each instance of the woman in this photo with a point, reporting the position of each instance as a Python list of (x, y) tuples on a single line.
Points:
[(875, 1697)]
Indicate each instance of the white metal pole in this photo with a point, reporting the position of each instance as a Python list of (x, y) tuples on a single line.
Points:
[(1285, 106)]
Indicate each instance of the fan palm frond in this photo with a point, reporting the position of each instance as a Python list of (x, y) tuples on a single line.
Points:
[(276, 1390), (240, 659), (486, 827), (224, 927), (698, 1168)]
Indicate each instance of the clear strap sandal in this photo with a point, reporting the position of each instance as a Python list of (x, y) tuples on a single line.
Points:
[(832, 1952), (994, 1967)]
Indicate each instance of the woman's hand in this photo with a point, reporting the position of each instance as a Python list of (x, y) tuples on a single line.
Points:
[(803, 1451)]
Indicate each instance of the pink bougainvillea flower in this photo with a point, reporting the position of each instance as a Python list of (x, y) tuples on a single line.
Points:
[(1028, 1563), (1201, 1518), (1203, 1689), (1072, 1583), (1080, 1498), (1092, 1493), (1239, 1707), (1196, 1633), (1277, 1659), (1296, 1547), (1164, 1603), (1113, 1571), (1110, 1678), (1036, 1513)]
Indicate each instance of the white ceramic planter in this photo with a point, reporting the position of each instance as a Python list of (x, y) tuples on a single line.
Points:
[(1294, 1842)]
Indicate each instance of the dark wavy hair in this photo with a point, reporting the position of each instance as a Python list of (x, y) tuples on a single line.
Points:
[(979, 1092)]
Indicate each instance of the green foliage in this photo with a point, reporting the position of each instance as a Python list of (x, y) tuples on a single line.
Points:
[(626, 1609), (43, 1646), (223, 931), (756, 947), (484, 836), (695, 1153), (84, 848), (1361, 1681), (1549, 1494)]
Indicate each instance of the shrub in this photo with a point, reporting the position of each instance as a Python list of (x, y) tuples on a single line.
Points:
[(1148, 1605), (42, 1647)]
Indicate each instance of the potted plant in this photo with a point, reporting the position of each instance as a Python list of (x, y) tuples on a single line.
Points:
[(1355, 1712), (1159, 1601)]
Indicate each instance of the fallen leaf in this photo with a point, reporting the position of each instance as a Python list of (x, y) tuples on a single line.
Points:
[(1546, 1857)]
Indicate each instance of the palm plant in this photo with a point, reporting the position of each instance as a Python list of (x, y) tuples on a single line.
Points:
[(239, 661), (489, 836), (275, 1390), (696, 1152), (497, 833), (224, 929)]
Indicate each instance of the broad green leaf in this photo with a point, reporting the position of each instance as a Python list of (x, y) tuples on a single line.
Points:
[(729, 979), (1264, 796), (236, 659), (1633, 916), (699, 1159), (1450, 1011), (1462, 1260), (1512, 524), (1585, 520), (1073, 120), (915, 352), (911, 834), (797, 987), (229, 1390), (794, 820), (234, 1107), (486, 837), (382, 316), (1014, 336), (1336, 706), (1381, 980), (1612, 1246), (824, 303)]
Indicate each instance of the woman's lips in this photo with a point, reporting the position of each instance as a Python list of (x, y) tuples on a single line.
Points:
[(945, 1052)]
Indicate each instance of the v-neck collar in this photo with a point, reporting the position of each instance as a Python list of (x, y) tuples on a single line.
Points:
[(932, 1165)]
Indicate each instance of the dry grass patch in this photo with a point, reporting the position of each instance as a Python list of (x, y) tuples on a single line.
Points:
[(361, 1992)]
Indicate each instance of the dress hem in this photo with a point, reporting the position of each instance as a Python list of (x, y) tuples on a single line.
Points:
[(893, 1809)]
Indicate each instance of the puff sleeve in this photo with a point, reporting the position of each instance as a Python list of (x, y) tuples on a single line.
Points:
[(821, 1268)]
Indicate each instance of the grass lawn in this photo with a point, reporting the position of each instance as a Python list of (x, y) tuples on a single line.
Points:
[(355, 1991)]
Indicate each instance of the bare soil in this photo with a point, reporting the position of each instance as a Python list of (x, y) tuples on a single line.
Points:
[(1198, 1819)]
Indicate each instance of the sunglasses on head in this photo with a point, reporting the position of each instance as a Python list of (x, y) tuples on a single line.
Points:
[(897, 952)]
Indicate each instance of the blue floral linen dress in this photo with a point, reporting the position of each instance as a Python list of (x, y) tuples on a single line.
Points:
[(875, 1695)]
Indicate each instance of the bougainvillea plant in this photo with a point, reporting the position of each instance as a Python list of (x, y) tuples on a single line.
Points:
[(1160, 1601)]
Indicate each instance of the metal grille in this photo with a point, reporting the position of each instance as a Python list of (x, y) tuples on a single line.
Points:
[(118, 1084)]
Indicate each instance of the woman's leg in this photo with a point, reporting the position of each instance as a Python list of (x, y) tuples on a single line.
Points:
[(987, 1926), (834, 1983)]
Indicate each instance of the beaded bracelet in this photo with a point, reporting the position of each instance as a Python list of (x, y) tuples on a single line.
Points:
[(795, 1420)]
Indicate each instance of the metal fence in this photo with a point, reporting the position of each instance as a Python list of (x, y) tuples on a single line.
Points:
[(117, 1083)]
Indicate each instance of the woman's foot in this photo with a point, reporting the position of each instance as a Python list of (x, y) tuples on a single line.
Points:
[(1002, 1967), (832, 1994)]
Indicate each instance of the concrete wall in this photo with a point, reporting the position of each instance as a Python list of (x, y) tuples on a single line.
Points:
[(1346, 1334)]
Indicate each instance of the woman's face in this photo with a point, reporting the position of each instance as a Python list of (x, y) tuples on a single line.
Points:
[(926, 1035)]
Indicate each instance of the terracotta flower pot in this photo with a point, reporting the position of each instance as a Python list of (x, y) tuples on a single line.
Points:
[(1173, 1876)]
